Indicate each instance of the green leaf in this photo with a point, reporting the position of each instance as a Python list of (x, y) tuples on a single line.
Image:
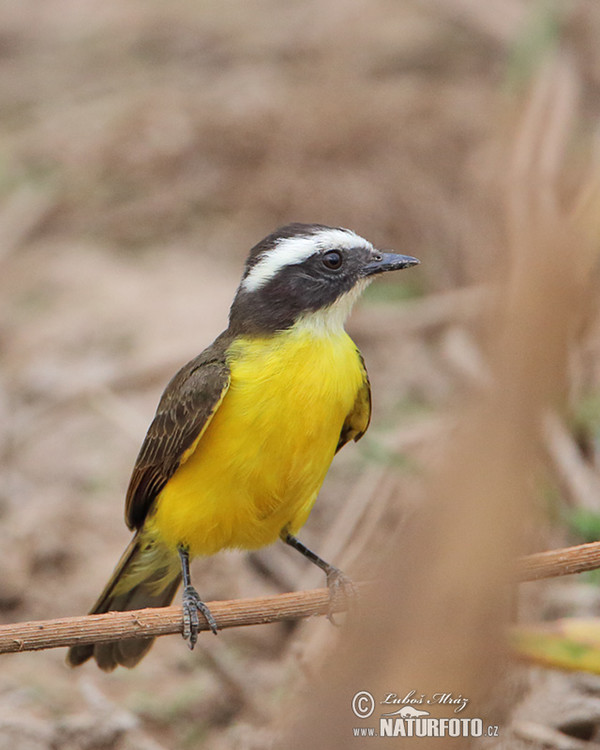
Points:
[(572, 644)]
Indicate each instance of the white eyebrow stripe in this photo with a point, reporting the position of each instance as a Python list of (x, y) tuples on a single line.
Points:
[(287, 252), (290, 251)]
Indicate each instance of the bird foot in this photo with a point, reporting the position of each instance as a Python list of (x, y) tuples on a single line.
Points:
[(339, 585), (192, 604)]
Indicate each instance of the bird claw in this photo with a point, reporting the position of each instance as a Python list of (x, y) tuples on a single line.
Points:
[(192, 604), (339, 585)]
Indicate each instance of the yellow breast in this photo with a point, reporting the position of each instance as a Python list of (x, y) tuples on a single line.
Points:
[(262, 460)]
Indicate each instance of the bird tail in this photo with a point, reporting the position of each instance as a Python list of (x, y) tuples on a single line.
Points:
[(147, 575)]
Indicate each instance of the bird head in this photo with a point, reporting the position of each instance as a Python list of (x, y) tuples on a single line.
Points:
[(302, 274)]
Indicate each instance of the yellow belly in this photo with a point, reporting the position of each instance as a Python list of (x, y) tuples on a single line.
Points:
[(261, 462)]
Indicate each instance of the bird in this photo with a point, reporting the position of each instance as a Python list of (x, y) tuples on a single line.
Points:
[(244, 434)]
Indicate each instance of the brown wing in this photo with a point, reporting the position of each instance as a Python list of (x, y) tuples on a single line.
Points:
[(357, 421), (184, 412)]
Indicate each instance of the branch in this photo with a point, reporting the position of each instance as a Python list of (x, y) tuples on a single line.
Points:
[(70, 631), (559, 562)]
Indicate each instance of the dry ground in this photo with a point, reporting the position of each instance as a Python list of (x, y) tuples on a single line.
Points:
[(143, 148)]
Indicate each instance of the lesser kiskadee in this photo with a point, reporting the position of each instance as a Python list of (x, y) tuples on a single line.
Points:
[(244, 433)]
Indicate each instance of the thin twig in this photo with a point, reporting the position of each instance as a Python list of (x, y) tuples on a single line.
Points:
[(559, 562), (69, 631)]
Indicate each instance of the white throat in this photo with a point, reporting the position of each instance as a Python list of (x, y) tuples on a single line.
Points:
[(330, 320)]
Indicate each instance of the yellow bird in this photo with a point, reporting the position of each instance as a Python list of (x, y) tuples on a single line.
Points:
[(244, 434)]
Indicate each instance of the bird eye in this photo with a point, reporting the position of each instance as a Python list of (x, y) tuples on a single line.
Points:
[(332, 260)]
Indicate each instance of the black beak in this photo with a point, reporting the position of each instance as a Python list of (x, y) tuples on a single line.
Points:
[(388, 262)]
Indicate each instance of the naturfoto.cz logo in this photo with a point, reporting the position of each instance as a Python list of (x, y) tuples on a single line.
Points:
[(409, 721)]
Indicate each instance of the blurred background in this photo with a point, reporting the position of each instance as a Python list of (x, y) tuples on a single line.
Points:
[(144, 148)]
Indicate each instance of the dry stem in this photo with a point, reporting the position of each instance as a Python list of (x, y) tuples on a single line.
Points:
[(69, 631), (559, 562)]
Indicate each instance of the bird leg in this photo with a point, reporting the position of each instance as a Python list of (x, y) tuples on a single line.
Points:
[(192, 604), (338, 583)]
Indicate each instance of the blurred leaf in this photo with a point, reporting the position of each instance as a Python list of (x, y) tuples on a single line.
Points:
[(591, 577), (538, 37), (585, 523), (572, 644)]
